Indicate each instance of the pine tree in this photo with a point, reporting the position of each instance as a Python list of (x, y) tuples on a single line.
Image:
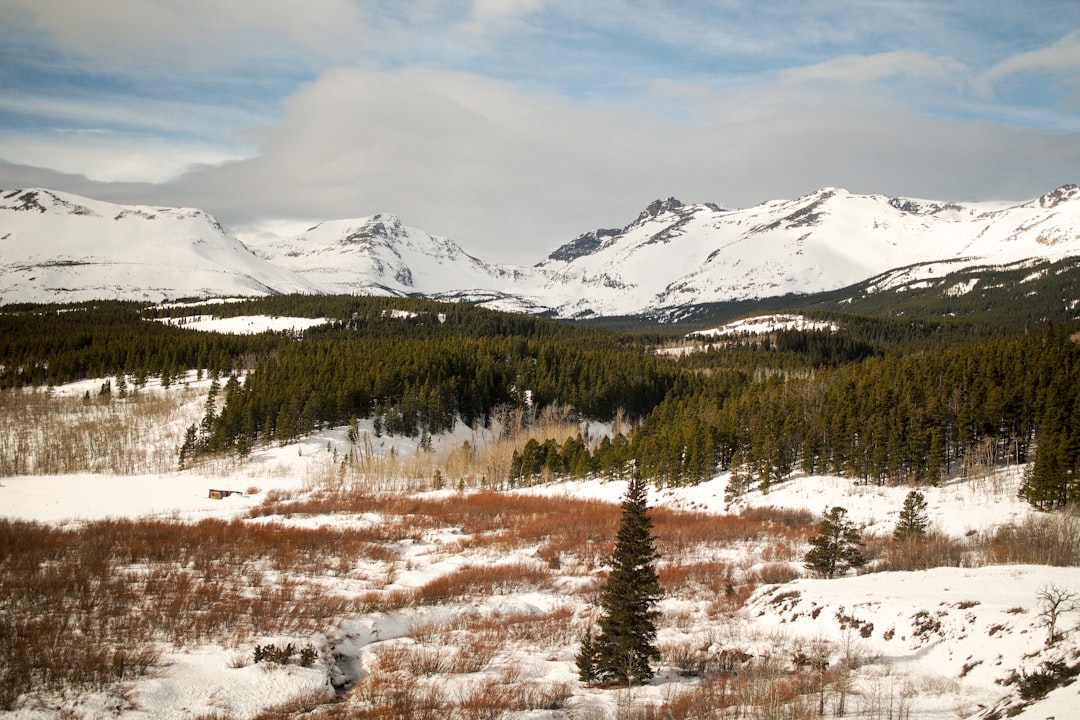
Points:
[(586, 658), (913, 521), (623, 650), (837, 546), (188, 448)]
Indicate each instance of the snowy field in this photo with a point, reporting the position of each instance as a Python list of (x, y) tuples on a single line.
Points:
[(245, 324), (937, 643)]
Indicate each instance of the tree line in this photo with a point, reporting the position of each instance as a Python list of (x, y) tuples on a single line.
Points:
[(880, 400), (898, 417)]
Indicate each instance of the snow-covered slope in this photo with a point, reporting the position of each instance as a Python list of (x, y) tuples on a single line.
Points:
[(57, 247), (676, 255), (380, 255)]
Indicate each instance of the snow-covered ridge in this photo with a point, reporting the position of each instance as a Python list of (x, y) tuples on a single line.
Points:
[(676, 255), (244, 324), (763, 324), (61, 247), (381, 255), (56, 247)]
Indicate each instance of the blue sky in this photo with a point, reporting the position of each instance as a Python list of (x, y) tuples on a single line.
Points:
[(511, 126)]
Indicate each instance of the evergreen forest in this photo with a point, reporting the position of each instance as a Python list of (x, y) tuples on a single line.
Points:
[(880, 400)]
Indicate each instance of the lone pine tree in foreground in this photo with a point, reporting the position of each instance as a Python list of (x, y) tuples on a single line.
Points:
[(913, 522), (837, 547), (623, 650)]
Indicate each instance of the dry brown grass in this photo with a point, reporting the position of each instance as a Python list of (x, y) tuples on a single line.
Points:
[(473, 581), (482, 462), (44, 433), (934, 550), (1044, 539), (89, 606)]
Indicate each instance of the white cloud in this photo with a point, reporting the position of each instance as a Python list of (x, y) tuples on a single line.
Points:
[(186, 34), (107, 157), (510, 174), (108, 111), (1061, 57), (488, 11), (869, 69), (512, 169)]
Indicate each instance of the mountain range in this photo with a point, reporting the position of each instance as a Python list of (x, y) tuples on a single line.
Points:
[(58, 247)]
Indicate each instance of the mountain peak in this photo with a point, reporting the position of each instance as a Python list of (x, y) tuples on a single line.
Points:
[(41, 201), (656, 207), (582, 245), (1060, 195), (56, 246)]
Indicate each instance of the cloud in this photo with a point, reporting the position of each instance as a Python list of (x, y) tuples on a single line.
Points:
[(512, 126), (111, 110), (510, 173), (108, 157), (871, 69), (1056, 65), (488, 12), (187, 34), (1061, 57)]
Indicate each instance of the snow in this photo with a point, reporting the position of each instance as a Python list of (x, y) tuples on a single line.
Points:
[(962, 288), (78, 249), (980, 626), (246, 324), (762, 324), (757, 325), (204, 679), (984, 625), (71, 248)]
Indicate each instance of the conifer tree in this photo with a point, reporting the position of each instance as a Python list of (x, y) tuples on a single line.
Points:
[(837, 547), (913, 521), (625, 647)]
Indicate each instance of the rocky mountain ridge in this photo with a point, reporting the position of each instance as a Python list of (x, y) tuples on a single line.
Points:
[(59, 247)]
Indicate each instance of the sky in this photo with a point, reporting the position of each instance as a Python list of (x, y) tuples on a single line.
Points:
[(513, 126)]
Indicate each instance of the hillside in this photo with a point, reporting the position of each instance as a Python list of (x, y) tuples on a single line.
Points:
[(418, 505), (380, 255), (64, 248)]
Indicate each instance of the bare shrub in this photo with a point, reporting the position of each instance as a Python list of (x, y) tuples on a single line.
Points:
[(302, 704), (679, 532), (776, 573), (396, 696), (47, 433), (771, 692), (705, 578), (475, 580), (932, 550), (708, 700), (1043, 539), (473, 655), (1054, 601), (89, 606), (690, 656), (491, 698)]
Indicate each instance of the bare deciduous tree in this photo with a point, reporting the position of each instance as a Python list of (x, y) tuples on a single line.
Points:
[(1054, 601)]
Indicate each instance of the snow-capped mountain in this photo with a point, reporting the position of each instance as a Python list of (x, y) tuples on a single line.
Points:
[(57, 247), (380, 255), (676, 255)]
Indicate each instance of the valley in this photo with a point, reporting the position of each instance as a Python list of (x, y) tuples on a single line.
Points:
[(374, 568), (359, 473)]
